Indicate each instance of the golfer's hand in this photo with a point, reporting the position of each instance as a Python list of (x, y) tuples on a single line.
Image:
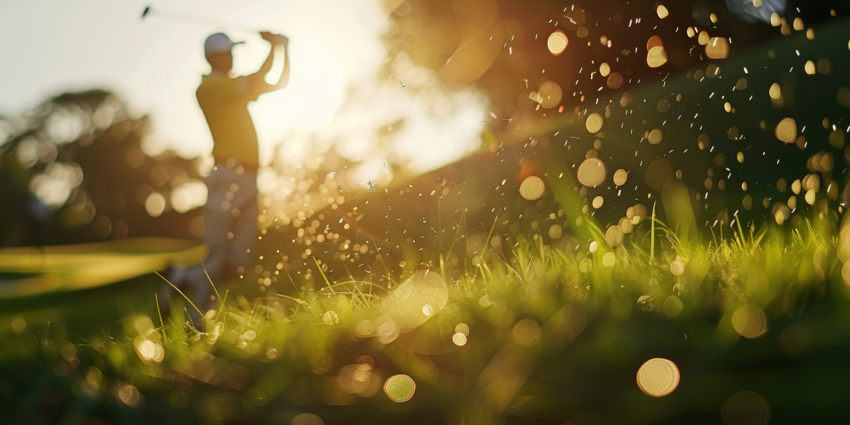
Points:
[(283, 40), (275, 39)]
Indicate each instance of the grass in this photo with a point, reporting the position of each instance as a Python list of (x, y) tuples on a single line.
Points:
[(272, 358)]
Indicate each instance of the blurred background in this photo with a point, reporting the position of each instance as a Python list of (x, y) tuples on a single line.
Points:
[(346, 92), (102, 138)]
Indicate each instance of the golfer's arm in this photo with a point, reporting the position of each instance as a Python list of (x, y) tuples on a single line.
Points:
[(267, 66), (258, 78), (283, 81)]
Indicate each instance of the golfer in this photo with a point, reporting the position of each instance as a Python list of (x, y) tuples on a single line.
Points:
[(231, 212)]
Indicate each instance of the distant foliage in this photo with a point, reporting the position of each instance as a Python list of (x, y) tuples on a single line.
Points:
[(73, 169)]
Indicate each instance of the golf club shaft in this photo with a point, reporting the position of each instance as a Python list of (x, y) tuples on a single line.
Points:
[(195, 20)]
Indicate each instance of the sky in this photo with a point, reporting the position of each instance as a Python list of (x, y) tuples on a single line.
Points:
[(155, 65)]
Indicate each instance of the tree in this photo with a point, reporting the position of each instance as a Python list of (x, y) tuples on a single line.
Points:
[(74, 169)]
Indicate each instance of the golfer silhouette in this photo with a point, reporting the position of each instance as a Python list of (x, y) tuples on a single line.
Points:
[(231, 212)]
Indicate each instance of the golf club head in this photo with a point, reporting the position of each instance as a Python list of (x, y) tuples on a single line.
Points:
[(146, 12)]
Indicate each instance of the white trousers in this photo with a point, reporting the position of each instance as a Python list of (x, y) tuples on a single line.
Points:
[(230, 229), (230, 220)]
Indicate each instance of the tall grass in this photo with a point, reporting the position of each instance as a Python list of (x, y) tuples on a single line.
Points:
[(519, 308)]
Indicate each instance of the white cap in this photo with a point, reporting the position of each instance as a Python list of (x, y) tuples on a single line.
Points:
[(218, 43)]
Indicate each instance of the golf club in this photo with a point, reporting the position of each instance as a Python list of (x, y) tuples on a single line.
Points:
[(149, 11)]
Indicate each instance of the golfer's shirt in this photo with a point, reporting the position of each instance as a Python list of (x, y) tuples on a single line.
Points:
[(224, 101)]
